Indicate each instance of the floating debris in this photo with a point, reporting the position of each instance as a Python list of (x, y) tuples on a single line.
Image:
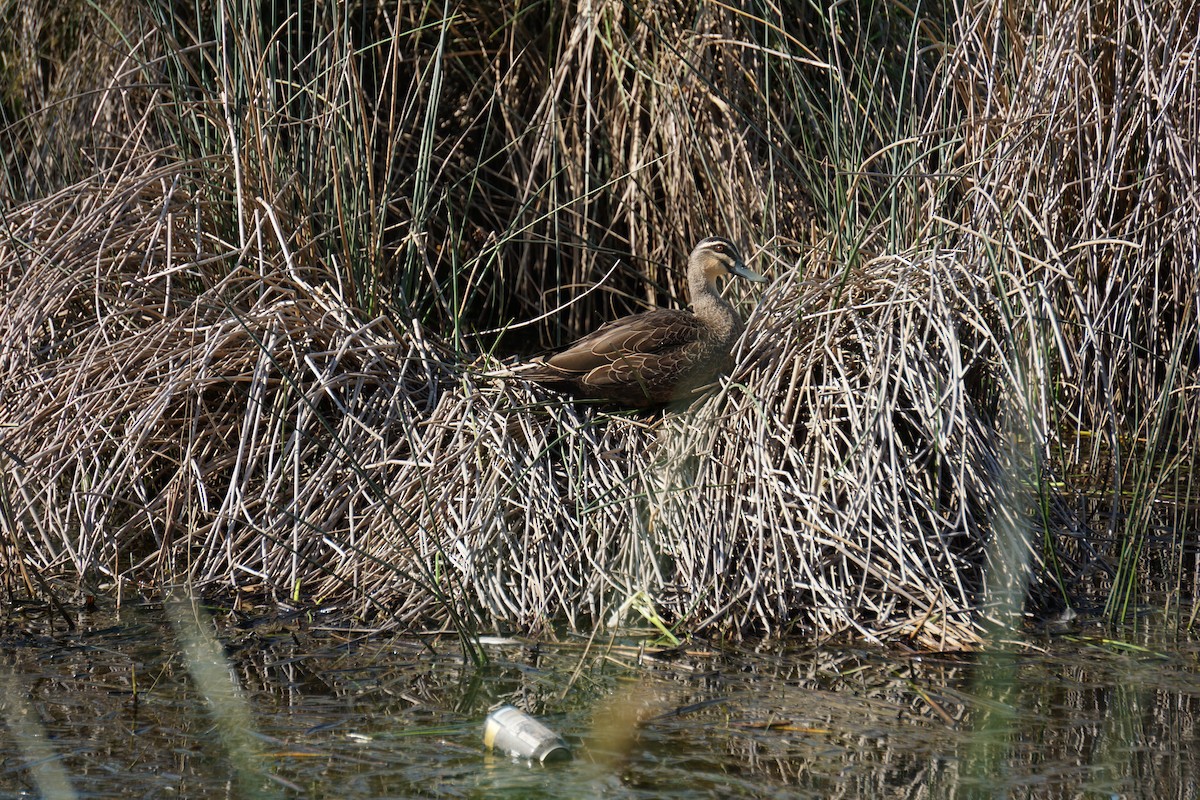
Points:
[(512, 731)]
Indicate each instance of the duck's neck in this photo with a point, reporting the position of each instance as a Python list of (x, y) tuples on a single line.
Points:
[(718, 316)]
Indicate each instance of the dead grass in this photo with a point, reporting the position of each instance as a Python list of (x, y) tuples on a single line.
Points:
[(237, 349), (257, 432)]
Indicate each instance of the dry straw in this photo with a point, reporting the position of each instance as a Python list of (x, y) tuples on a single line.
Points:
[(236, 322), (258, 432)]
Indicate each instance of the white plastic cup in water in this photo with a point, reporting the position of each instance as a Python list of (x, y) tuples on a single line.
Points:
[(512, 731)]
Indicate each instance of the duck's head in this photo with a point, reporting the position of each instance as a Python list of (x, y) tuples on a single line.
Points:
[(716, 257)]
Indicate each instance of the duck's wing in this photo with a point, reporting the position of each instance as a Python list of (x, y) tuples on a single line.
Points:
[(632, 344)]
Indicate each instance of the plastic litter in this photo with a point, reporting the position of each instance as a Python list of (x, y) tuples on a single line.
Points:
[(510, 730)]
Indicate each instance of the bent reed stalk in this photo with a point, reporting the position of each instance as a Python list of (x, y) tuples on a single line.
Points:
[(244, 252)]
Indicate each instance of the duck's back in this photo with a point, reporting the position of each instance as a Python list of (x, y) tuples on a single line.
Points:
[(642, 360)]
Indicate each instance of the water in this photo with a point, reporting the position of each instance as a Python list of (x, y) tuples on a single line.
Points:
[(339, 714)]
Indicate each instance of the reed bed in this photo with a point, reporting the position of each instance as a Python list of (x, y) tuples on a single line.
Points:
[(245, 341)]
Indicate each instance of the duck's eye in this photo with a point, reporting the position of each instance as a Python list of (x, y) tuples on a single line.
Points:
[(720, 248)]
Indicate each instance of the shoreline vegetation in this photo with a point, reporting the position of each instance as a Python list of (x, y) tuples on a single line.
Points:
[(257, 259)]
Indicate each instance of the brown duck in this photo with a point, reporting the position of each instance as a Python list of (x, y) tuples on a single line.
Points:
[(658, 356)]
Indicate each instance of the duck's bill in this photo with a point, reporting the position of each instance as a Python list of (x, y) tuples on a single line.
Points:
[(742, 271)]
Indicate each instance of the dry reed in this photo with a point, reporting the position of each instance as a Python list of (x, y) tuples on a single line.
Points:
[(225, 367)]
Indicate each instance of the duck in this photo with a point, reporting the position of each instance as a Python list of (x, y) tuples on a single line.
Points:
[(656, 357)]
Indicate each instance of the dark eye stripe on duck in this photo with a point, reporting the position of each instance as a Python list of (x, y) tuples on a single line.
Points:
[(718, 244), (659, 356)]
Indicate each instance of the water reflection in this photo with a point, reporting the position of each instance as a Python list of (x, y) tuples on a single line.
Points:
[(339, 713)]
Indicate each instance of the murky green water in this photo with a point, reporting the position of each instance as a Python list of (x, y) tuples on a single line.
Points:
[(339, 714)]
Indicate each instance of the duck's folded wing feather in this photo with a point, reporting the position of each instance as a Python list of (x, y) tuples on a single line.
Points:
[(646, 370), (631, 342)]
